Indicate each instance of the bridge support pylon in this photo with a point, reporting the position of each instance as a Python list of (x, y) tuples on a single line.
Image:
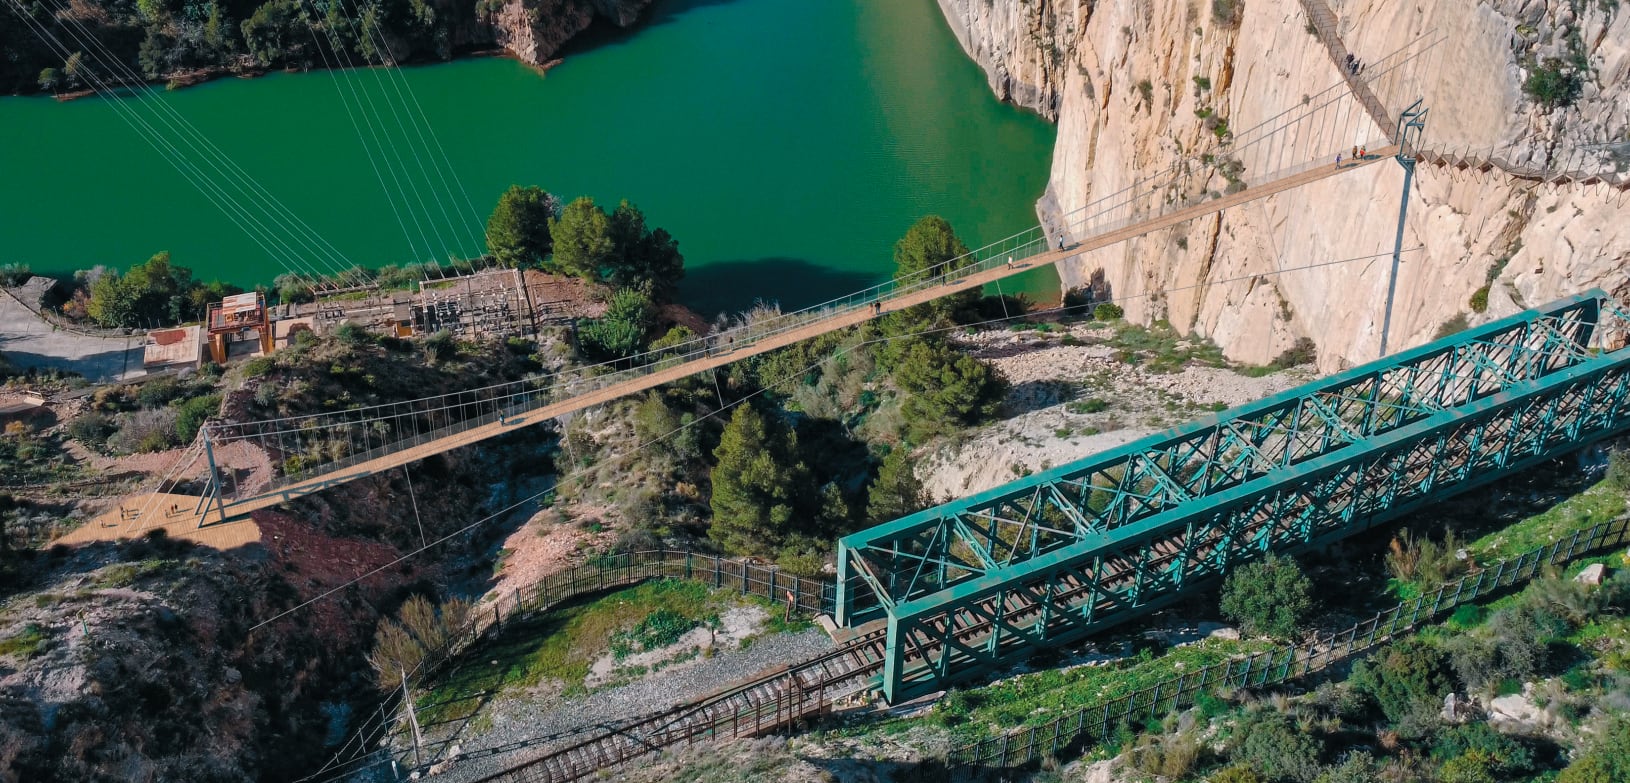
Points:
[(1411, 124)]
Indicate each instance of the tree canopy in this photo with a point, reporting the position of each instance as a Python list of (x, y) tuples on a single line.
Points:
[(757, 484), (582, 239), (642, 256), (928, 249), (1269, 597), (518, 230), (153, 293)]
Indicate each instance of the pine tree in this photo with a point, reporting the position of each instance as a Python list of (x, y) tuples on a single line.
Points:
[(582, 239), (518, 231), (758, 484), (897, 491)]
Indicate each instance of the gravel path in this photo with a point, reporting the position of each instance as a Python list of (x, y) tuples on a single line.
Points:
[(521, 725)]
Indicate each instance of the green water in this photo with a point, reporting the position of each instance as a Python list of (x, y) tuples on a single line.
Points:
[(785, 143)]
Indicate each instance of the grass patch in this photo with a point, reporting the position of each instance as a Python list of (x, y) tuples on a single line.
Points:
[(1037, 698), (26, 643), (126, 574), (1600, 503), (1160, 349), (562, 644)]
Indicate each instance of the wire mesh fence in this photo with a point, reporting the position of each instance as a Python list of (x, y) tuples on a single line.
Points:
[(1096, 722), (801, 594)]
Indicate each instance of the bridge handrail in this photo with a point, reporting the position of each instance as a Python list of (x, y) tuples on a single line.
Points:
[(1108, 213), (1099, 720)]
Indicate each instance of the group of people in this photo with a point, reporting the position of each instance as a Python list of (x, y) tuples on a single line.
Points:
[(1354, 67), (1358, 154)]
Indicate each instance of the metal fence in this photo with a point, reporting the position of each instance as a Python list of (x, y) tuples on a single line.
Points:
[(812, 596), (1095, 722)]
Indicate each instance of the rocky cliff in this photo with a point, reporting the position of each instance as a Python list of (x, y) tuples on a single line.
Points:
[(534, 30), (1138, 86)]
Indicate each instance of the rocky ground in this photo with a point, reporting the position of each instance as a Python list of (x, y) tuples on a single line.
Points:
[(1075, 394)]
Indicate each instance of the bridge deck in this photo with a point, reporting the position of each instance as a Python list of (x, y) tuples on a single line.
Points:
[(549, 411)]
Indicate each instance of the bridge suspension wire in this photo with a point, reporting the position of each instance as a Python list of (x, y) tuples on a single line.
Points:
[(401, 165), (251, 198), (837, 353), (210, 190), (322, 252), (724, 407)]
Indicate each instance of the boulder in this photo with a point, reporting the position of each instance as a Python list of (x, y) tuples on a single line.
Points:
[(1592, 575)]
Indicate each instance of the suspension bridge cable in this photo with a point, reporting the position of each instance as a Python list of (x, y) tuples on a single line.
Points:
[(299, 230), (190, 136), (842, 350), (422, 128)]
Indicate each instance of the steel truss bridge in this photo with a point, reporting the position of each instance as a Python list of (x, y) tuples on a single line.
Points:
[(975, 585)]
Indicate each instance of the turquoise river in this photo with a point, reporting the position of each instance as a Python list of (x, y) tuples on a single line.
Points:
[(785, 143)]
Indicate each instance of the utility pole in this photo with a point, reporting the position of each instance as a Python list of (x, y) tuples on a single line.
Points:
[(413, 720), (1411, 123)]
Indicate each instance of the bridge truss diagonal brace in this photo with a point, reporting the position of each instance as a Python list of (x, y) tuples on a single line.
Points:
[(1098, 495), (998, 619)]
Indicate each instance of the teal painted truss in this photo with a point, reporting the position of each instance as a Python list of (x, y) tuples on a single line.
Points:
[(974, 585)]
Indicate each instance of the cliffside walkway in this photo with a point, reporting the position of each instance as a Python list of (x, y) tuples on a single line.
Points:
[(1615, 175), (316, 452), (1324, 25)]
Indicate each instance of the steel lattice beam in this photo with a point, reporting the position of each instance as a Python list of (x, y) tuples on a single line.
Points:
[(1527, 402), (936, 549)]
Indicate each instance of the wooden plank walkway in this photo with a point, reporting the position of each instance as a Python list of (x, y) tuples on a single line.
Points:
[(816, 328)]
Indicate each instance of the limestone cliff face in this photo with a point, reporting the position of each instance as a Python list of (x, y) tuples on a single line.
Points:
[(536, 29), (1137, 86)]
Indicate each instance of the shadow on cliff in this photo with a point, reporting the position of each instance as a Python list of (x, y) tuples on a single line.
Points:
[(603, 32), (734, 286)]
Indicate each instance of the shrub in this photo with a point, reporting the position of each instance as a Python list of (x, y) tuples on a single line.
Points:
[(1480, 300), (1356, 767), (1408, 681), (159, 391), (192, 414), (1227, 13), (1553, 84), (152, 429), (1272, 745), (1269, 597), (1606, 761), (1239, 773), (92, 429), (1478, 745), (353, 335), (1618, 470), (1108, 312)]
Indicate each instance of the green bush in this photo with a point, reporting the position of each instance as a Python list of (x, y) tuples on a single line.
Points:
[(258, 366), (192, 414), (1272, 745), (1554, 84), (1606, 761), (92, 429), (1269, 597), (1108, 312), (1480, 300), (1408, 681), (619, 333), (1356, 767), (1499, 754)]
